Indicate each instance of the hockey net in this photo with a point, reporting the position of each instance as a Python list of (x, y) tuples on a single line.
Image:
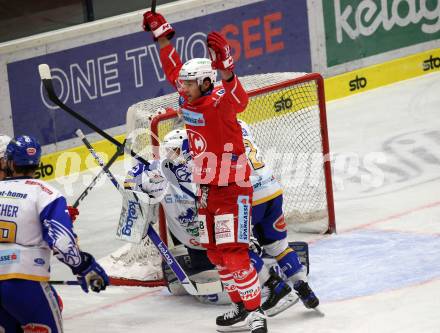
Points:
[(287, 116)]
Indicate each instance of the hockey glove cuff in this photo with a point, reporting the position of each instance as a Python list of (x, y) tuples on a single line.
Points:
[(220, 52), (90, 274), (157, 24)]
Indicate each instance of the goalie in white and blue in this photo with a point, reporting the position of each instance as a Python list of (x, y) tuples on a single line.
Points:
[(35, 222)]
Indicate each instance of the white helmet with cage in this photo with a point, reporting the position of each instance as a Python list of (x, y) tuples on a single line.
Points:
[(176, 139), (197, 69)]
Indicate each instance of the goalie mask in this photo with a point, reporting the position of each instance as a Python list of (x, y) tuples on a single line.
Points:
[(176, 145), (197, 69)]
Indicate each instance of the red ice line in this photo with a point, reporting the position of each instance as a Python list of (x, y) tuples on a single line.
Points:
[(117, 303), (385, 219), (395, 216), (418, 284), (363, 226)]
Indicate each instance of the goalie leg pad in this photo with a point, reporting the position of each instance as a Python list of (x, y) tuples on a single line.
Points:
[(173, 284), (196, 265), (302, 249), (215, 299), (199, 260)]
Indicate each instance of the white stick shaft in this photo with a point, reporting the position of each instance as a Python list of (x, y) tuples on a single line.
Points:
[(44, 71)]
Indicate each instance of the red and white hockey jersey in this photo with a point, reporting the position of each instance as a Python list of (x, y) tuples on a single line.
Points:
[(214, 135)]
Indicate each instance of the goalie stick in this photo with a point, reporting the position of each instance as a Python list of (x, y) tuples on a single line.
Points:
[(191, 287), (46, 78)]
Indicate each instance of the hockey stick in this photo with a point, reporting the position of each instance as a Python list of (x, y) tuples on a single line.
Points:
[(113, 282), (98, 159), (66, 282), (46, 78), (86, 191), (191, 287), (153, 6)]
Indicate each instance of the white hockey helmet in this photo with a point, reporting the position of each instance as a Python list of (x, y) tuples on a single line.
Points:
[(197, 69), (4, 140), (176, 139)]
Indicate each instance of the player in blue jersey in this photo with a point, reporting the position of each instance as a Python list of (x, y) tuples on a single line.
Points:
[(34, 222), (270, 228)]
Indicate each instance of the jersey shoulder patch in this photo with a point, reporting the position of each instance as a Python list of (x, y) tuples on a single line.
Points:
[(44, 187), (220, 92)]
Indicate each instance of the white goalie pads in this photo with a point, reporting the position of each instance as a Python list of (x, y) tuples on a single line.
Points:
[(137, 213)]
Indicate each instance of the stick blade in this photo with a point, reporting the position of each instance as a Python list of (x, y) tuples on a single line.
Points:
[(209, 288), (44, 71)]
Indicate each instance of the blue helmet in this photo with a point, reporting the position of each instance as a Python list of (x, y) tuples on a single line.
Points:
[(24, 150)]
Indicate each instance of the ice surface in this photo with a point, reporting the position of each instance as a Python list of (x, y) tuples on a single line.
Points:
[(380, 273)]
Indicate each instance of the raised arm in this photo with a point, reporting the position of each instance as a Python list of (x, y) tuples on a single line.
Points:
[(162, 33), (222, 60)]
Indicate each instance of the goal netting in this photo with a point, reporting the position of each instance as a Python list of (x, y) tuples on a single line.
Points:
[(287, 117)]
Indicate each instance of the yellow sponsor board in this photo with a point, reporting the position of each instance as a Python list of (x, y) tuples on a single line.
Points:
[(382, 74), (280, 102), (283, 101)]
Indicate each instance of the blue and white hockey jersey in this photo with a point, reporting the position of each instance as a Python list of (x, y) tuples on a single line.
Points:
[(170, 185), (266, 187), (33, 222)]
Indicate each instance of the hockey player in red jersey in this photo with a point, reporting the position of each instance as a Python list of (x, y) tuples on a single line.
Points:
[(220, 167)]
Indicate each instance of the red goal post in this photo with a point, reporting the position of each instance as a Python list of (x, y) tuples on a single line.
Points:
[(297, 104)]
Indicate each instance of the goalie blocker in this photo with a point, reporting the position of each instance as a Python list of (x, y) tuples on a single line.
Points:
[(200, 269)]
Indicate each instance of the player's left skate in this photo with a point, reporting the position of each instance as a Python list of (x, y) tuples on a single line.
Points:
[(306, 294), (280, 296)]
